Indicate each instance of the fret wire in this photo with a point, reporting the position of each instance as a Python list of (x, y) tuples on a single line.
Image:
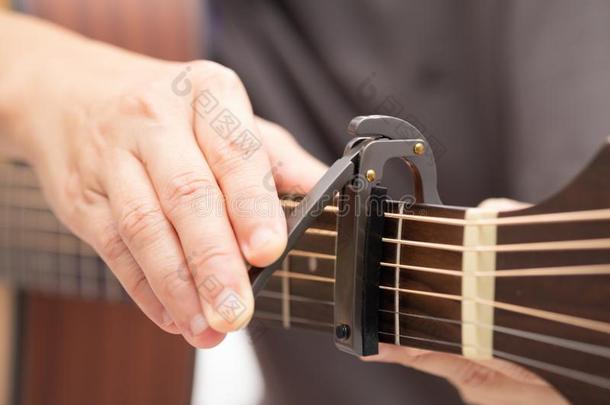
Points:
[(286, 294)]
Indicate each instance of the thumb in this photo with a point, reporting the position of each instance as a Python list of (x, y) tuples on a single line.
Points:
[(293, 169)]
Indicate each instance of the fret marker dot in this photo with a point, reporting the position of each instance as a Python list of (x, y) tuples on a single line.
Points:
[(312, 264)]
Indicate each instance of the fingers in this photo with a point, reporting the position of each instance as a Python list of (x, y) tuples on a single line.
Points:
[(153, 243), (295, 171), (476, 383), (193, 202), (232, 147), (105, 239)]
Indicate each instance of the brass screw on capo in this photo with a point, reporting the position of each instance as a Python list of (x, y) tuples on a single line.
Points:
[(419, 148), (370, 175)]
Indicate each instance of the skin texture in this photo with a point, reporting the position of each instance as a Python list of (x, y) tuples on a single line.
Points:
[(478, 382), (131, 161)]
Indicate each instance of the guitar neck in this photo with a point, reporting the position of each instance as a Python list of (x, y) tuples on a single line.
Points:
[(445, 283)]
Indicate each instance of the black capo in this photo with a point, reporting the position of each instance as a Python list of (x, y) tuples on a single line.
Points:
[(357, 177)]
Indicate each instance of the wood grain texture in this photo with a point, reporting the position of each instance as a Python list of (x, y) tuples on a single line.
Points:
[(95, 352)]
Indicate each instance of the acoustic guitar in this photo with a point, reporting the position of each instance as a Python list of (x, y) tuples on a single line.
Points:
[(548, 267), (550, 310)]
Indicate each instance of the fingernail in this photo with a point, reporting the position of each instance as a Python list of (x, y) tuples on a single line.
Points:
[(231, 306), (166, 318), (198, 325), (261, 239)]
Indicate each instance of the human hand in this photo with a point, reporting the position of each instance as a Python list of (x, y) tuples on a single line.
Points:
[(492, 381), (135, 158)]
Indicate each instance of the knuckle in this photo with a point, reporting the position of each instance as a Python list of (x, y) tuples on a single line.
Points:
[(140, 103), (220, 75), (205, 261), (140, 220), (136, 284), (174, 286), (151, 107), (229, 163), (186, 188), (111, 245)]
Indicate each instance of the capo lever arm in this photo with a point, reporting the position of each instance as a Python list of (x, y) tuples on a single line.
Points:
[(302, 216)]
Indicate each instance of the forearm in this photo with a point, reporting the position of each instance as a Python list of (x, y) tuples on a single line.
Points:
[(45, 68)]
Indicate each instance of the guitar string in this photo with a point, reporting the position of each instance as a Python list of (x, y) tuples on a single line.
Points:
[(555, 217), (578, 375), (598, 326), (576, 244), (584, 347), (593, 269)]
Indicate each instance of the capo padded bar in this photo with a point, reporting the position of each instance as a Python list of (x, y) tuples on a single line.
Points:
[(357, 270)]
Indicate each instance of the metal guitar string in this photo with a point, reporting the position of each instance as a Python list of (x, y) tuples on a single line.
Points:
[(598, 326), (588, 378)]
